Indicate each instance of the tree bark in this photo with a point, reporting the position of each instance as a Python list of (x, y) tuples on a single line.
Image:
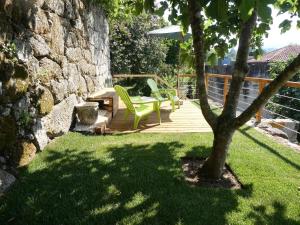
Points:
[(213, 167), (224, 129), (240, 68), (196, 20)]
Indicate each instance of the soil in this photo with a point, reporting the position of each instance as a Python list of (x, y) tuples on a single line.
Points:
[(190, 166)]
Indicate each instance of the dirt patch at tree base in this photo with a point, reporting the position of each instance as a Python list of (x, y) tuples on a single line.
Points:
[(190, 166)]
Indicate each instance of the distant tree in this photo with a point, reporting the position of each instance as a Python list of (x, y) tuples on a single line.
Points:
[(133, 51)]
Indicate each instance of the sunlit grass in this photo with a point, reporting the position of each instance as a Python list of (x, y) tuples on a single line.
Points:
[(137, 179)]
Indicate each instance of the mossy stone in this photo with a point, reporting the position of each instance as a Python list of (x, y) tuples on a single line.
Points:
[(27, 152), (8, 133), (16, 88), (6, 70), (45, 102), (21, 86)]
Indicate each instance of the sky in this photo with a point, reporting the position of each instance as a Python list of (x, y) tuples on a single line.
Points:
[(278, 40), (275, 39)]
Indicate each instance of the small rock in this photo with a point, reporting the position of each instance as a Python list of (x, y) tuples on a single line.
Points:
[(2, 160), (277, 132), (6, 112), (30, 137), (6, 180)]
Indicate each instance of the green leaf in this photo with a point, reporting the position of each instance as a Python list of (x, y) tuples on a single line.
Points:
[(298, 24), (246, 7), (263, 9), (164, 6), (212, 59), (149, 5), (139, 6), (285, 25), (217, 9)]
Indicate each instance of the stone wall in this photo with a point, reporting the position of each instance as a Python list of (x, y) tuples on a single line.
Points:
[(61, 55)]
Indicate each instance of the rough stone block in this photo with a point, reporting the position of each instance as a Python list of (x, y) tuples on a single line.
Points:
[(6, 180), (59, 120), (39, 46), (56, 6), (46, 101), (28, 151)]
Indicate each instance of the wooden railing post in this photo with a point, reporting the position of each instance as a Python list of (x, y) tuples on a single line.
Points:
[(177, 84), (206, 82), (225, 89), (258, 115)]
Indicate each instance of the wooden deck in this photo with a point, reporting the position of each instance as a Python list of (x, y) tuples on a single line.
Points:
[(188, 118)]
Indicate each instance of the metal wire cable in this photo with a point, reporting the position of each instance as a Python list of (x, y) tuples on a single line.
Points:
[(215, 82), (270, 102), (216, 88), (215, 93), (288, 97), (220, 101), (281, 115), (250, 89), (248, 96), (286, 127)]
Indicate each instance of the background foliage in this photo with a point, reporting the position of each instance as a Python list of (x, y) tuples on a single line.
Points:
[(133, 51), (275, 69)]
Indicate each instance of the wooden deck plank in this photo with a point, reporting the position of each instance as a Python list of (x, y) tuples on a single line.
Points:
[(188, 118)]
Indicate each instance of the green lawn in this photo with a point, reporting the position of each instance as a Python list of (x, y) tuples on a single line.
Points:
[(137, 179)]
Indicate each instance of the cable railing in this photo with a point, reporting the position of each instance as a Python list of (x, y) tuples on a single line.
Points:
[(278, 111)]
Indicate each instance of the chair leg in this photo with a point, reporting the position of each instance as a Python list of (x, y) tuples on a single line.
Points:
[(173, 105), (157, 109), (136, 121)]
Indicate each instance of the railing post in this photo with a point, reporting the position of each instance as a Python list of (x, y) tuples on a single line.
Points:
[(206, 82), (258, 114), (178, 85), (225, 89)]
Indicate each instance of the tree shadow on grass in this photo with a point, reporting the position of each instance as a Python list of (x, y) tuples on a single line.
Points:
[(261, 216), (243, 131), (128, 184)]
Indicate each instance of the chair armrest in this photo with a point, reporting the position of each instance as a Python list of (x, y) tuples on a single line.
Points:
[(142, 101), (168, 91)]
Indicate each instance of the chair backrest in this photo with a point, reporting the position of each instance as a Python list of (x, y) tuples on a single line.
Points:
[(122, 92), (154, 89), (152, 84)]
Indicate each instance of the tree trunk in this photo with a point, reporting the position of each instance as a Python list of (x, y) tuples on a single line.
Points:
[(214, 165), (197, 20), (225, 125)]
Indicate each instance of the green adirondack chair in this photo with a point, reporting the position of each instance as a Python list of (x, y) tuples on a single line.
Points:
[(157, 93), (137, 106)]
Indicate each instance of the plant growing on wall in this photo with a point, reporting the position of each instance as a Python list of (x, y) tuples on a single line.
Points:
[(9, 50)]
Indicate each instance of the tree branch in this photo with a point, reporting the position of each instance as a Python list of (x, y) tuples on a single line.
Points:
[(269, 91), (240, 67), (196, 21)]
